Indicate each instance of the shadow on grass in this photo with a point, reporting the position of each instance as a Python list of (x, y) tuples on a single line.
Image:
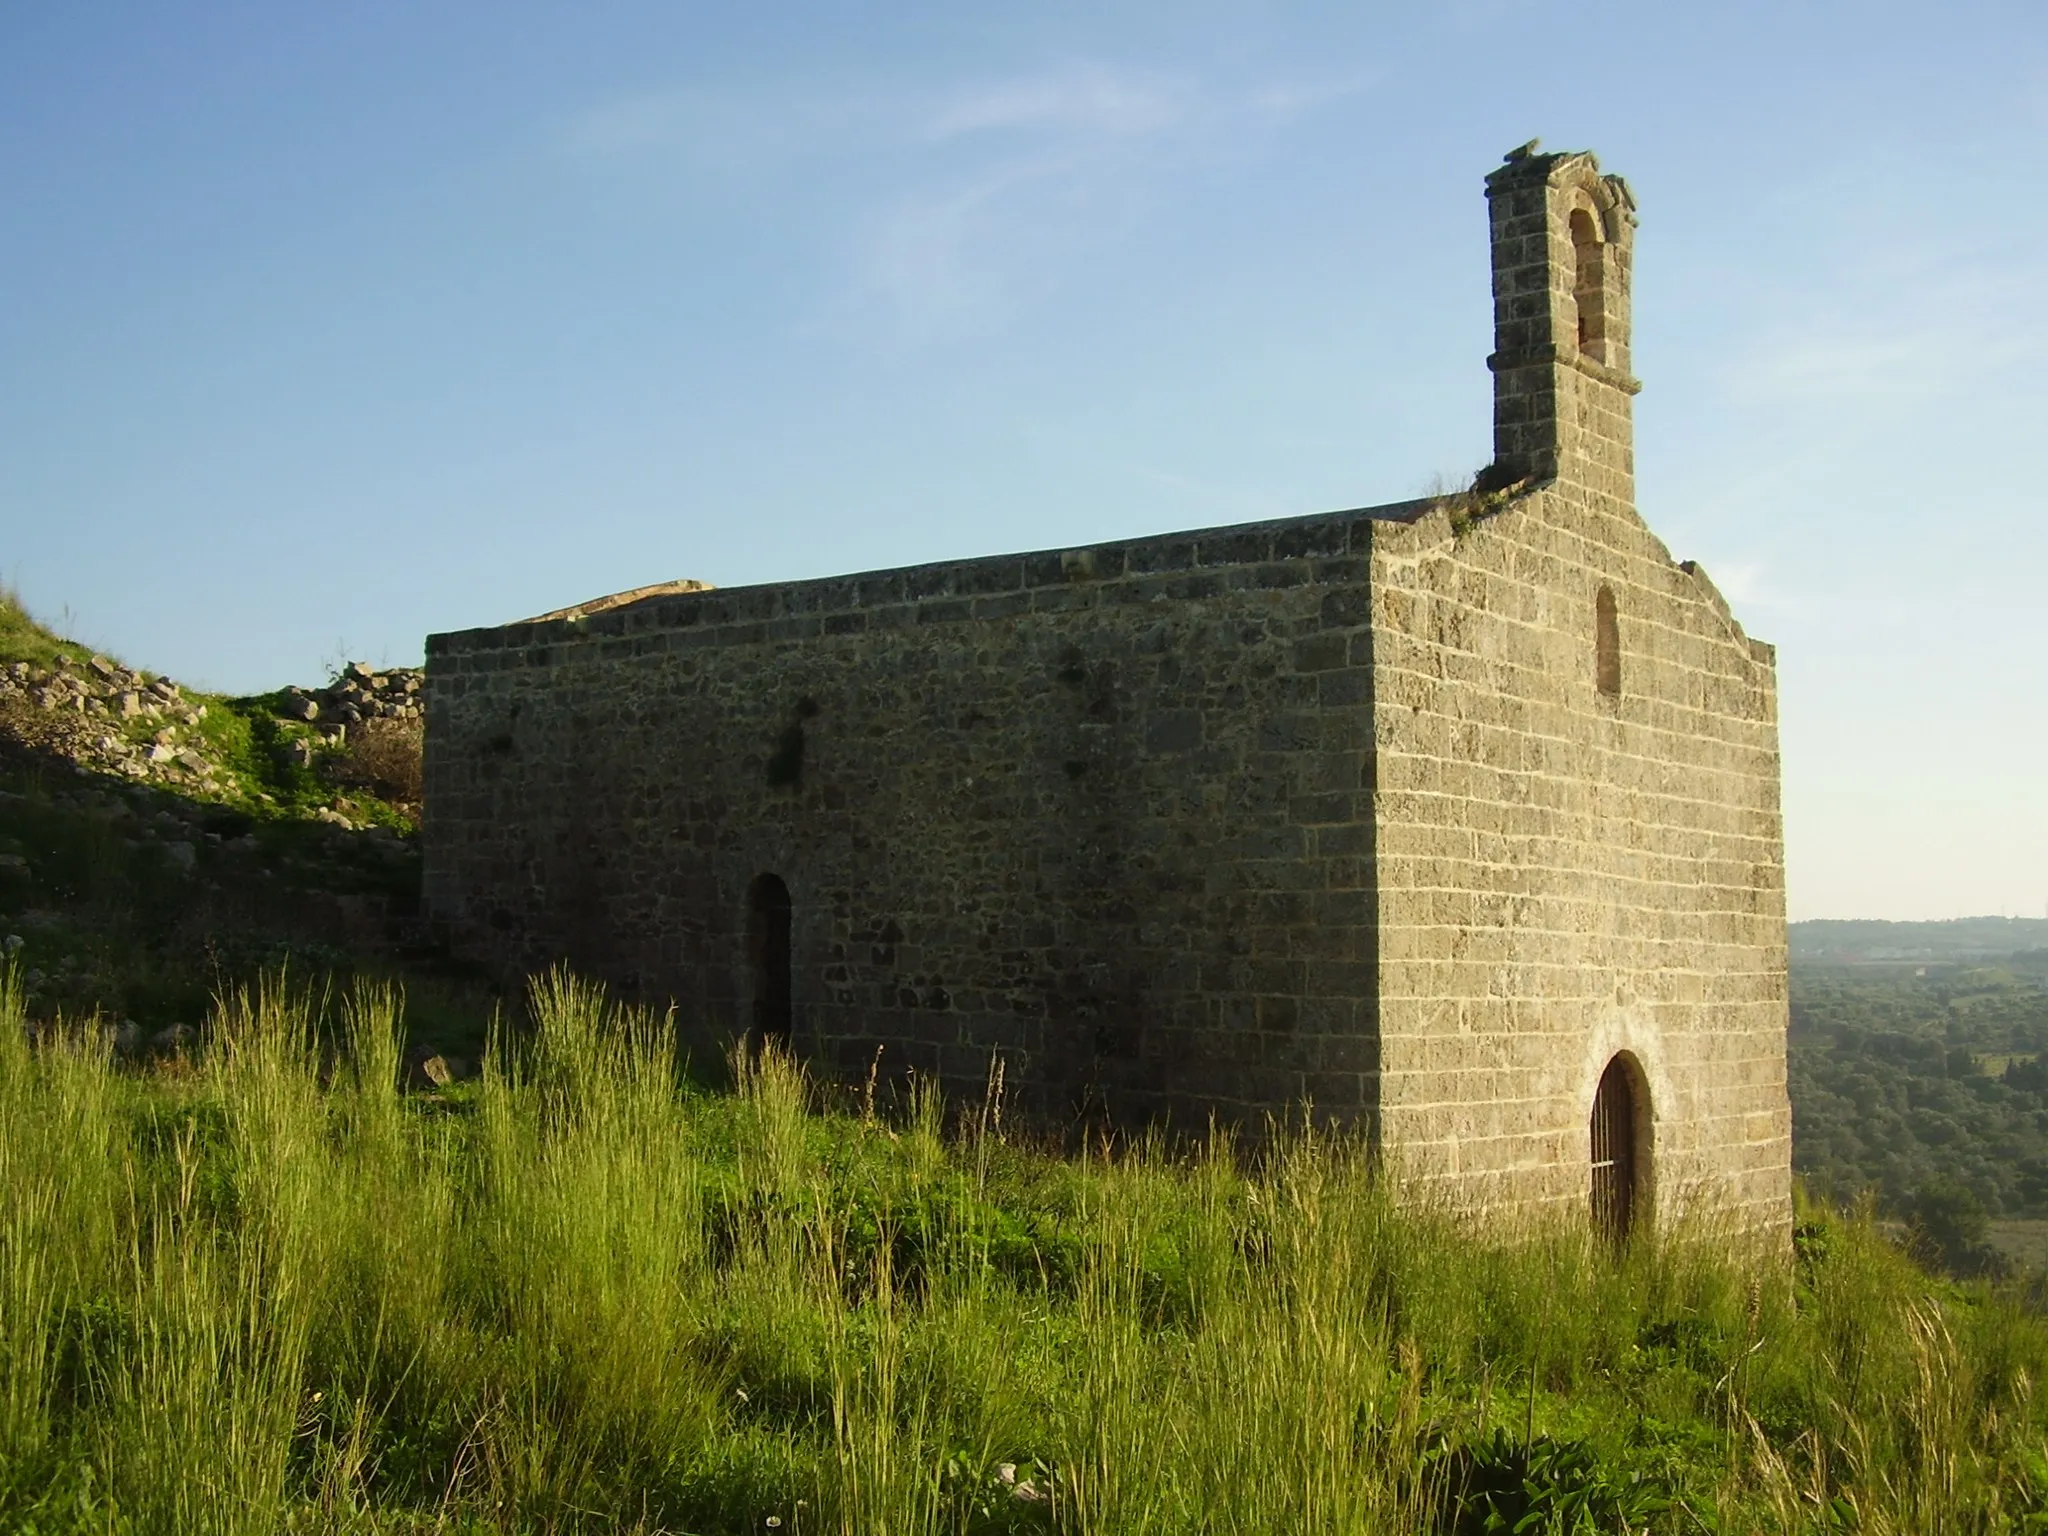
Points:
[(138, 903)]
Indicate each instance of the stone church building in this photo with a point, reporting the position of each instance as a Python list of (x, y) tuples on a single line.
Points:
[(1457, 818)]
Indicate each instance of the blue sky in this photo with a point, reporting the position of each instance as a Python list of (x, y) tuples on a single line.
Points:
[(322, 328)]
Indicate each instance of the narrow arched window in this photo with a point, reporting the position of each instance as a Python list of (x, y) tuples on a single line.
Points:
[(1618, 1155), (768, 958), (1589, 283), (1606, 644)]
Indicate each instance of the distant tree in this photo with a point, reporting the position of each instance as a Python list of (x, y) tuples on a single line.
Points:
[(2032, 1177), (1950, 1227), (2026, 1076)]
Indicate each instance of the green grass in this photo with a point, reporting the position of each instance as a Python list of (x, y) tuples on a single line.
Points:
[(113, 925), (269, 1293), (23, 638)]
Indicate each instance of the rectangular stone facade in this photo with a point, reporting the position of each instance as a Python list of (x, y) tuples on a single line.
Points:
[(1567, 875), (1108, 812), (1329, 810), (1444, 818)]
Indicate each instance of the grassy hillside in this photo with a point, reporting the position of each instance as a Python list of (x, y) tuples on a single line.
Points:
[(255, 755), (23, 639), (158, 844), (247, 1285), (270, 1294)]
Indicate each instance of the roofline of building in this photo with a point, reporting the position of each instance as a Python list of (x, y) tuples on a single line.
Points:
[(1275, 541)]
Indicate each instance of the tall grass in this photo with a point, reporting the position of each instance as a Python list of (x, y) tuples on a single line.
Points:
[(272, 1292)]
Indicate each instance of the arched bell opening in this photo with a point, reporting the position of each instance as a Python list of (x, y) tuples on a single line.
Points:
[(1589, 284), (1620, 1146), (768, 959)]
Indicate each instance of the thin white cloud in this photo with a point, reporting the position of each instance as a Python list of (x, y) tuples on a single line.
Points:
[(924, 254), (1881, 318), (1288, 98), (1884, 362), (1074, 101), (1836, 368), (722, 129), (991, 189), (633, 122), (1086, 99), (1063, 162), (1742, 583)]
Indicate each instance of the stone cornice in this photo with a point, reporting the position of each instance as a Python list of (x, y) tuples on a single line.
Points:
[(1503, 362)]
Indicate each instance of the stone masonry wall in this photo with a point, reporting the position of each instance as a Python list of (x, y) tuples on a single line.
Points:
[(1112, 814), (1569, 874), (1343, 809), (1566, 875), (1108, 812)]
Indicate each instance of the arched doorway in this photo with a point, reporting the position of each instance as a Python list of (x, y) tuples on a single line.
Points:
[(1618, 1155), (768, 958)]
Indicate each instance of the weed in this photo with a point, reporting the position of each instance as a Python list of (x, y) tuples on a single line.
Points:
[(23, 638), (384, 757)]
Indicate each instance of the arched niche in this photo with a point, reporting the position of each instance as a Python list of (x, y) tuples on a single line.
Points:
[(1606, 643), (769, 960)]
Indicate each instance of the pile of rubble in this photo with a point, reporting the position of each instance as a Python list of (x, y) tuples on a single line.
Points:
[(111, 719), (360, 694), (98, 713), (101, 687)]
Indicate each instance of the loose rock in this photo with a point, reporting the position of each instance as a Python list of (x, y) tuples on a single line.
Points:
[(426, 1069)]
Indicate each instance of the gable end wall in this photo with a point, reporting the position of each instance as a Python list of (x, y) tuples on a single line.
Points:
[(1565, 875)]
